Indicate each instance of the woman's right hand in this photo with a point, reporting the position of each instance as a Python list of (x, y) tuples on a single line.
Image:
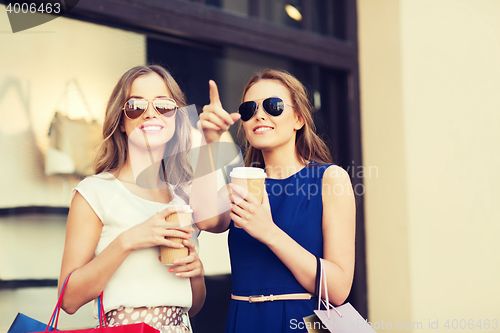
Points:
[(214, 120), (153, 231)]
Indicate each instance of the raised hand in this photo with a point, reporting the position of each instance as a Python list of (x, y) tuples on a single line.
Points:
[(214, 120)]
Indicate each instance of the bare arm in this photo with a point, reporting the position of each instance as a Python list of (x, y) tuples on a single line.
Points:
[(83, 230), (211, 207), (90, 274), (219, 223), (338, 235)]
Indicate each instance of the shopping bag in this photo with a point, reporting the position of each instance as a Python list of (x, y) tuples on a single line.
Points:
[(131, 328), (73, 142), (341, 319), (344, 319), (25, 324)]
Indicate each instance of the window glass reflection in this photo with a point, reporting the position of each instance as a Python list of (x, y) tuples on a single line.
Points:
[(283, 12), (328, 17), (237, 6)]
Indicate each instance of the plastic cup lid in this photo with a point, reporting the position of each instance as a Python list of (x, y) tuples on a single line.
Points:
[(248, 173)]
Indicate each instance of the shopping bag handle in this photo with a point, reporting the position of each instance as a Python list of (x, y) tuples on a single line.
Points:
[(64, 97), (100, 308), (55, 314), (322, 273), (54, 319), (316, 285)]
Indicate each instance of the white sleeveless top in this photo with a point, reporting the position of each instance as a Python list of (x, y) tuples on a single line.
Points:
[(141, 280)]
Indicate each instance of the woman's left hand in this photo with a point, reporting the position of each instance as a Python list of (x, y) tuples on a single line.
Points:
[(251, 215), (189, 266)]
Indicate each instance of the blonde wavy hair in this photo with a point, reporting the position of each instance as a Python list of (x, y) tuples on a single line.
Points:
[(308, 145), (113, 151)]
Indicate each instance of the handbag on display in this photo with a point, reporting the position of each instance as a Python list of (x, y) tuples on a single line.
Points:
[(341, 319), (25, 324), (73, 142)]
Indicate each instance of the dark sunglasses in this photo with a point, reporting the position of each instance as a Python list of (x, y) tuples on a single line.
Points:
[(273, 106), (135, 107)]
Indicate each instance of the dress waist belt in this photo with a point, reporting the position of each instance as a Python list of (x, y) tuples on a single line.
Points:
[(262, 298)]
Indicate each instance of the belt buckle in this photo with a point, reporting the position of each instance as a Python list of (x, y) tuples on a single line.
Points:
[(250, 299)]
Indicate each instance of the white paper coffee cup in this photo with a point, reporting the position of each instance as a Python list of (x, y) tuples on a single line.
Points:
[(251, 179)]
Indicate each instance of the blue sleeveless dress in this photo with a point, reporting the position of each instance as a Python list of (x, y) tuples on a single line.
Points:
[(297, 208)]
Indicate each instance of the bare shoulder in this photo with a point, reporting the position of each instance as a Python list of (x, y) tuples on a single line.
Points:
[(338, 201), (337, 187), (81, 210), (336, 175), (79, 202)]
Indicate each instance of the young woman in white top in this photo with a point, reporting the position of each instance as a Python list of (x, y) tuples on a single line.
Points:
[(115, 226)]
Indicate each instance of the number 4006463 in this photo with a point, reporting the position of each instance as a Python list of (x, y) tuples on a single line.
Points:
[(471, 324), (47, 8)]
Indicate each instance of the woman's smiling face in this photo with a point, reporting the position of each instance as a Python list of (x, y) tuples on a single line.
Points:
[(267, 132), (151, 125)]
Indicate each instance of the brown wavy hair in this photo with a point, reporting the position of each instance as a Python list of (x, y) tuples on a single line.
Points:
[(113, 151), (308, 146)]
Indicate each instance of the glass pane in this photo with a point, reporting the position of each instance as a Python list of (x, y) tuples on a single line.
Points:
[(283, 12), (215, 3), (237, 6), (328, 17), (23, 129)]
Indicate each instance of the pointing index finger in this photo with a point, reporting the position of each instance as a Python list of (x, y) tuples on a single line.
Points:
[(214, 93)]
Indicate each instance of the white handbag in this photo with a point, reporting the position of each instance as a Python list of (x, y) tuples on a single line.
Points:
[(73, 142)]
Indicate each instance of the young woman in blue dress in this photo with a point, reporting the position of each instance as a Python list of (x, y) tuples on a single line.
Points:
[(308, 209)]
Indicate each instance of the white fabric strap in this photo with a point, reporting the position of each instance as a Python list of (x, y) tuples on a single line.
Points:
[(322, 281)]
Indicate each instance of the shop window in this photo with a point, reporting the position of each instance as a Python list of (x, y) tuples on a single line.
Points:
[(324, 17), (329, 17), (237, 6), (283, 12)]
